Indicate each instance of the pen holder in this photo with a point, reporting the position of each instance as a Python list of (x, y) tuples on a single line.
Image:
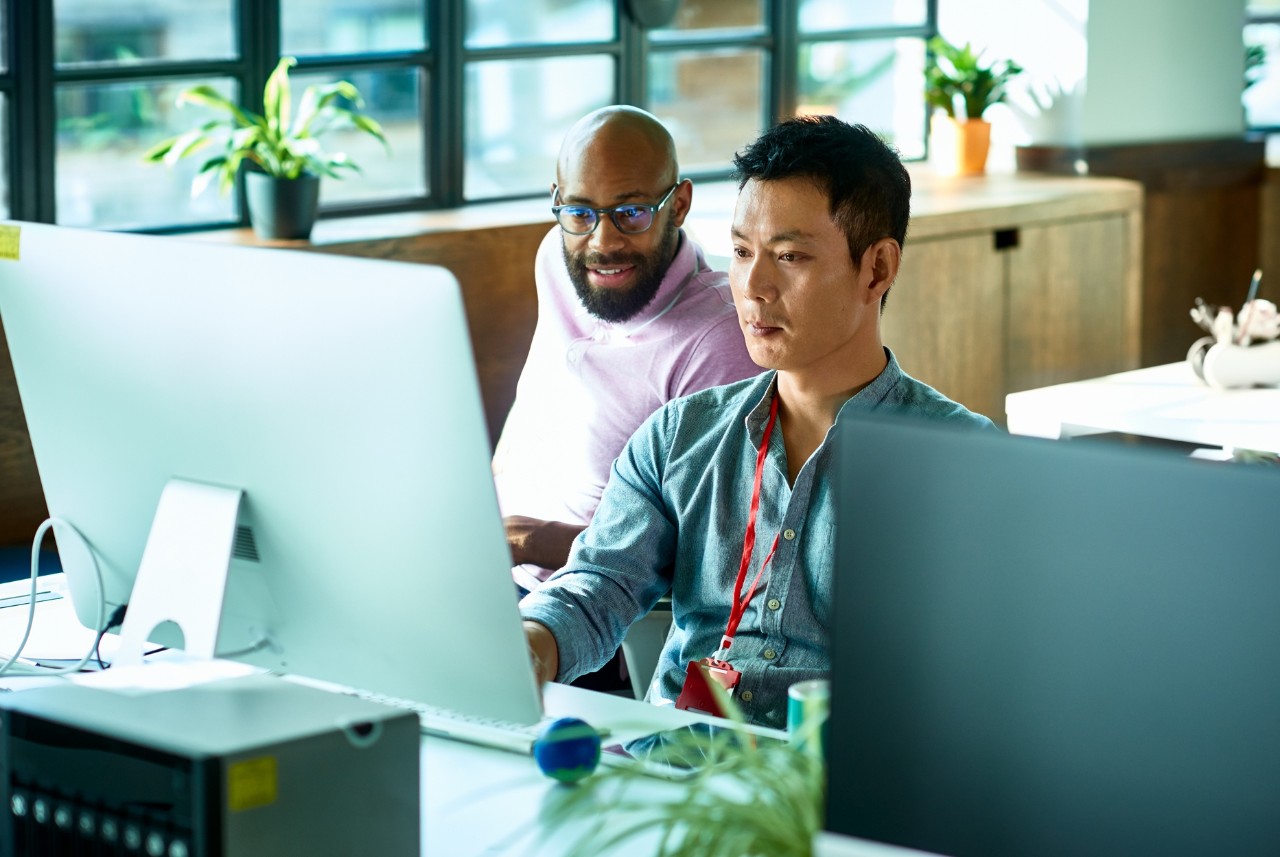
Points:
[(1225, 366)]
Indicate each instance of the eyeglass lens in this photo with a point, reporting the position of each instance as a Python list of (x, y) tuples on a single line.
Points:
[(628, 218)]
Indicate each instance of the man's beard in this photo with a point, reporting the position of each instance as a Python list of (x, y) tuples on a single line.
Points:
[(623, 304)]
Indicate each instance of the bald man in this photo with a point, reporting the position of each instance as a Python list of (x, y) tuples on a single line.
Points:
[(630, 316)]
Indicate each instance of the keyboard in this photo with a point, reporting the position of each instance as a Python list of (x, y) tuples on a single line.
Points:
[(471, 728)]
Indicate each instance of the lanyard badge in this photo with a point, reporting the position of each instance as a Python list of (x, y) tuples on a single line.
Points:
[(697, 693)]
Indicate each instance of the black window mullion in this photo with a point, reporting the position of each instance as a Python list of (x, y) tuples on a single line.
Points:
[(445, 110), (34, 144), (632, 84), (783, 62)]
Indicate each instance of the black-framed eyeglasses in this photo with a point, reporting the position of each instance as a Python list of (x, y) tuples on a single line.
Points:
[(631, 218)]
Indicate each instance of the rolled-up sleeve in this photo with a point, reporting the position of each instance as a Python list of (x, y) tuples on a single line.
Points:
[(620, 565)]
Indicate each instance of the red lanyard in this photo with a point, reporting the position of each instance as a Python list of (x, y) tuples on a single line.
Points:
[(749, 541)]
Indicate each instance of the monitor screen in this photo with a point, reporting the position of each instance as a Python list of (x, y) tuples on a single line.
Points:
[(338, 394), (1053, 648)]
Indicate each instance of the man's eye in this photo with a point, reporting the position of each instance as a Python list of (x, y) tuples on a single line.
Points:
[(631, 212), (577, 213)]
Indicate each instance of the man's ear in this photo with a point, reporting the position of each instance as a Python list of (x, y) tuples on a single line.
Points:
[(681, 202), (879, 268)]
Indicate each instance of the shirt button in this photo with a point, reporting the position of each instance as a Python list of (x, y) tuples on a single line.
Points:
[(774, 604), (788, 534), (746, 696), (770, 654)]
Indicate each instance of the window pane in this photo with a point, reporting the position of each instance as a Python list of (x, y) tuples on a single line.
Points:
[(122, 31), (101, 179), (877, 83), (1263, 7), (825, 16), (313, 27), (1262, 95), (4, 36), (710, 101), (497, 23), (517, 113), (393, 98), (5, 206), (696, 17)]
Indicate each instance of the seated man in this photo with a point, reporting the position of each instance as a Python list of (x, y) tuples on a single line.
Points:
[(726, 494), (629, 317)]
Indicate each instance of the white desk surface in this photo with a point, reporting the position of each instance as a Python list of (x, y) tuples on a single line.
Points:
[(476, 802), (1167, 402)]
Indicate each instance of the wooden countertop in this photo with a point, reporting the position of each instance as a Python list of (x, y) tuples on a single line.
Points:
[(941, 205)]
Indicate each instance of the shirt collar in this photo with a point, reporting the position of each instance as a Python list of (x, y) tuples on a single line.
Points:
[(880, 389)]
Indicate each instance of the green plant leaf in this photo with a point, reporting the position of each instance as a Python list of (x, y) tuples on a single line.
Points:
[(187, 144), (276, 97), (207, 96), (958, 71), (157, 152), (273, 143)]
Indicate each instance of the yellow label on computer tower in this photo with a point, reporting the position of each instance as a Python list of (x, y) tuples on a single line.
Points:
[(9, 239), (251, 783)]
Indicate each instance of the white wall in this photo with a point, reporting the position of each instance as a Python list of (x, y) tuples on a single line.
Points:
[(1122, 71), (1164, 69)]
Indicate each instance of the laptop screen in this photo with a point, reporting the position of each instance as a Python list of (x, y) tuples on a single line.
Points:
[(1053, 648)]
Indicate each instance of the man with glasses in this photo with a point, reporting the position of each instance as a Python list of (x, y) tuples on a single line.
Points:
[(630, 316), (724, 496)]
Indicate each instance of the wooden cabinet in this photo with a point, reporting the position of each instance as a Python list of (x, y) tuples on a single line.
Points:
[(1020, 282)]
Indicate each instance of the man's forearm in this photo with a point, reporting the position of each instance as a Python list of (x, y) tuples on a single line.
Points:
[(542, 543), (543, 650)]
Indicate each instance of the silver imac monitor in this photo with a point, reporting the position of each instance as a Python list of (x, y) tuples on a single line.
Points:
[(308, 426), (1061, 649)]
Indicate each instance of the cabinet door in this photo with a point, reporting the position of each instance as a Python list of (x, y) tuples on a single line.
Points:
[(945, 319), (1068, 302)]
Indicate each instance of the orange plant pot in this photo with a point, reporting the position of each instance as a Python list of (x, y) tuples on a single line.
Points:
[(960, 148)]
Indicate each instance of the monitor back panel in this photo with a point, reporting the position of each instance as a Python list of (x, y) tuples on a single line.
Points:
[(1053, 649), (339, 393)]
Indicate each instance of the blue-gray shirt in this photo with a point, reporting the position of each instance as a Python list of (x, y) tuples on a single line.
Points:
[(673, 516)]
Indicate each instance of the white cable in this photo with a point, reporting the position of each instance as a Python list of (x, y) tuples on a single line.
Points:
[(31, 606)]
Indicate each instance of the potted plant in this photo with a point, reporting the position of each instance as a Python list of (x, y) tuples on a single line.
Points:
[(279, 148), (741, 797), (957, 75)]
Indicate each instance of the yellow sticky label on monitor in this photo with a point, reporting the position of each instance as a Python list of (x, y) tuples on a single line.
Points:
[(251, 783), (9, 236)]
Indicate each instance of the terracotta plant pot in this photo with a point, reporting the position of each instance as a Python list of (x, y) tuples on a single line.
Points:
[(960, 148)]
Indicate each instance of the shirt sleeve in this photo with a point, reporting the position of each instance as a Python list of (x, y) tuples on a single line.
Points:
[(620, 565)]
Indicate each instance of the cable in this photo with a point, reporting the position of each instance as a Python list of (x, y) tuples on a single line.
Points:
[(101, 627)]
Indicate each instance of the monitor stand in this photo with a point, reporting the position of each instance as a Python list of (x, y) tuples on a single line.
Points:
[(183, 573)]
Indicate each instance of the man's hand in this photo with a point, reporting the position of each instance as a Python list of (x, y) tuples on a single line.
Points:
[(542, 650), (543, 543)]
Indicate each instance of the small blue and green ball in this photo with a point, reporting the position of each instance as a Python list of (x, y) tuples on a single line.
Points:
[(567, 749)]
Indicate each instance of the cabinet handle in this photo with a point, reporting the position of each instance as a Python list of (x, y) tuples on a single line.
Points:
[(1006, 239)]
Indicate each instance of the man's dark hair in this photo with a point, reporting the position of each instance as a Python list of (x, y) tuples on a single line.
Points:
[(867, 186)]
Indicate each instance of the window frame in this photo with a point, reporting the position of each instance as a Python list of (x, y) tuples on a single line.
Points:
[(31, 77)]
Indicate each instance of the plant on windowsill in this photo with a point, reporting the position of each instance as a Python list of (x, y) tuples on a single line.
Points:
[(957, 74), (279, 148), (745, 799)]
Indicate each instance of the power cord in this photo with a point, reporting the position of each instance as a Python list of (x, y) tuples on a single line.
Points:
[(11, 664)]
